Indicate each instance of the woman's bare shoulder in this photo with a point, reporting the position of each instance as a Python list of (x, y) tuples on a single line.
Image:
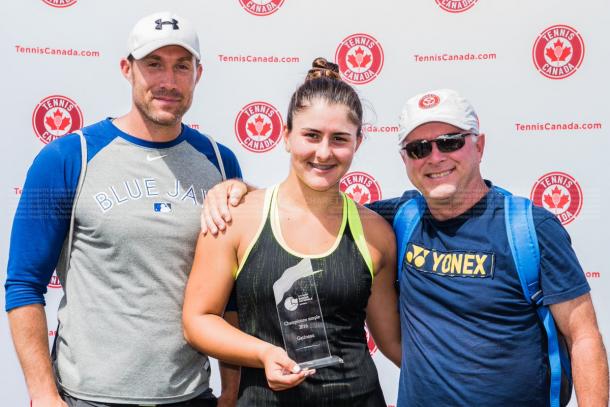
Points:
[(251, 204)]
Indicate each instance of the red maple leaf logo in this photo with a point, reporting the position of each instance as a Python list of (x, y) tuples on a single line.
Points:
[(265, 129), (365, 60), (558, 52), (259, 127), (556, 200), (252, 129), (358, 195), (358, 59), (352, 61), (58, 121)]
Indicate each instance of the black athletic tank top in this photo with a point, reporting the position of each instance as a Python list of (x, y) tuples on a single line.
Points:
[(343, 280)]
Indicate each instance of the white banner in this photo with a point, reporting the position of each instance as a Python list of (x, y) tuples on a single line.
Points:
[(535, 72)]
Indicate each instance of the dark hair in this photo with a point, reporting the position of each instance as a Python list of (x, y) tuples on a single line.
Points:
[(324, 82)]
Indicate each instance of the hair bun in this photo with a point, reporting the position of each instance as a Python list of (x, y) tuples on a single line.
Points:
[(321, 67)]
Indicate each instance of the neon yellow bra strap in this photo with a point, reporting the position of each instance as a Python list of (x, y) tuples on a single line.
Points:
[(355, 226), (266, 206)]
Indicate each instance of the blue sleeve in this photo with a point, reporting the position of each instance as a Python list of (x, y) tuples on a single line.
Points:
[(230, 162), (204, 145), (41, 221), (561, 276), (388, 207)]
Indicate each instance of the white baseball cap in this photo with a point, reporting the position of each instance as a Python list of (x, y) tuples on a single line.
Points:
[(441, 105), (159, 30)]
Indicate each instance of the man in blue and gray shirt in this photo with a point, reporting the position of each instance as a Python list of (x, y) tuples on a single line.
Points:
[(115, 209)]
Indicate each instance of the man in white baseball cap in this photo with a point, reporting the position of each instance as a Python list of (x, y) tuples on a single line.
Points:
[(159, 30), (490, 287), (442, 112), (465, 309), (134, 186)]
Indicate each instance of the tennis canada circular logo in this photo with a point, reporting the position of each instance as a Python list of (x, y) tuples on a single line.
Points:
[(360, 58), (54, 281), (56, 116), (258, 127), (428, 101), (60, 3), (558, 52), (456, 6), (559, 193), (261, 7), (360, 187)]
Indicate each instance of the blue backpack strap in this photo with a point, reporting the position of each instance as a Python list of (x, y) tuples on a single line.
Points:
[(407, 217), (526, 254)]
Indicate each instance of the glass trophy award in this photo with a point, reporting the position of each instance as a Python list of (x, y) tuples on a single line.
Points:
[(300, 316)]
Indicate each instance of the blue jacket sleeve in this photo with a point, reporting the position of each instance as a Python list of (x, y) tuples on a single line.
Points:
[(41, 221)]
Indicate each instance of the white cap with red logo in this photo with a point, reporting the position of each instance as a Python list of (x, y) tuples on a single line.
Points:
[(441, 105), (159, 30)]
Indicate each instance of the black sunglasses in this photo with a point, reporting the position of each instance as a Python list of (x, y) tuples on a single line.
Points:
[(446, 143)]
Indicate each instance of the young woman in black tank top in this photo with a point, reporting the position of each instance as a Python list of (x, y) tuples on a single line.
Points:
[(305, 220)]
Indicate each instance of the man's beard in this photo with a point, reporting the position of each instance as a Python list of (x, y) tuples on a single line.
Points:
[(163, 119)]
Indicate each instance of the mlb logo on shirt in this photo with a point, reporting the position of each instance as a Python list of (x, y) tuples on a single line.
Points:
[(163, 207)]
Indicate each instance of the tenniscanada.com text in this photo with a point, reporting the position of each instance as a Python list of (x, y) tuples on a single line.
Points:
[(56, 51), (548, 126), (268, 59), (454, 57)]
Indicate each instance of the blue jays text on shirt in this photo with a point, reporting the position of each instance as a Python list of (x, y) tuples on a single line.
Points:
[(145, 188), (451, 263)]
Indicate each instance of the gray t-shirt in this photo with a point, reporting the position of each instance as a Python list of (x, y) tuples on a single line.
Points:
[(136, 224)]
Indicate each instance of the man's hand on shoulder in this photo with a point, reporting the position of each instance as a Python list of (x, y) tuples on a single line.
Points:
[(216, 214)]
